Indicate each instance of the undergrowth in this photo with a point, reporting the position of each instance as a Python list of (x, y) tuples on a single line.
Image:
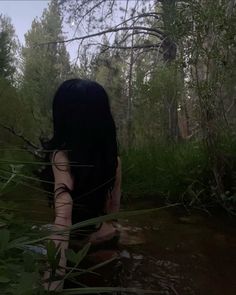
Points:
[(177, 172)]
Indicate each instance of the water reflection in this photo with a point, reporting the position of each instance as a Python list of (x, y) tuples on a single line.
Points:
[(171, 252), (174, 253)]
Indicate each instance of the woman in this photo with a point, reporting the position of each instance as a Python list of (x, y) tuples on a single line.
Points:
[(86, 168)]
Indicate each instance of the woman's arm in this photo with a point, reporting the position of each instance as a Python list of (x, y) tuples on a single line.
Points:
[(63, 211)]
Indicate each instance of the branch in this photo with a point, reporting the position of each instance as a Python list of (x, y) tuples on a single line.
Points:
[(126, 8), (129, 47), (126, 36), (110, 9), (26, 140), (147, 51), (112, 30), (87, 12), (231, 106), (151, 14)]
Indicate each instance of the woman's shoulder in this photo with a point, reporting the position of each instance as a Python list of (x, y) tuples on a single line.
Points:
[(61, 168), (60, 158)]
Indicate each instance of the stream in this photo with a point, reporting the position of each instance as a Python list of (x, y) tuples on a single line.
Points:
[(172, 251)]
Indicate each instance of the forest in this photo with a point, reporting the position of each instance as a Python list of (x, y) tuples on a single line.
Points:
[(169, 68)]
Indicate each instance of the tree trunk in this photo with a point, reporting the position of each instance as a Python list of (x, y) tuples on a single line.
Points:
[(130, 95), (169, 55)]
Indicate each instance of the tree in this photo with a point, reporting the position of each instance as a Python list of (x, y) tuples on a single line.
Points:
[(8, 46), (144, 26), (14, 116), (207, 29), (93, 16), (44, 67), (108, 68)]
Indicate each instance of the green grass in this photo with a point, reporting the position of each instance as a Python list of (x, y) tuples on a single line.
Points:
[(164, 170), (180, 172)]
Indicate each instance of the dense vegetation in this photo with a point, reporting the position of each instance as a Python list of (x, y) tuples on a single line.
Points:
[(169, 68)]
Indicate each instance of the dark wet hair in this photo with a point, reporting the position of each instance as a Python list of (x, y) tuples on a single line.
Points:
[(83, 126)]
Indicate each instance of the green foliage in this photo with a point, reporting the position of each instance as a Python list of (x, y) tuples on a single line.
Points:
[(7, 48), (45, 66), (155, 103), (53, 256), (208, 41), (165, 171), (76, 258), (5, 236), (108, 68), (16, 167), (180, 172), (19, 270), (210, 47), (22, 268)]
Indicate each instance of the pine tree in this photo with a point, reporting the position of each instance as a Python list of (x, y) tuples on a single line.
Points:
[(45, 65), (7, 48), (107, 68)]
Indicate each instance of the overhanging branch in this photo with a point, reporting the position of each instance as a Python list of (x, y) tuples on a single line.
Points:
[(157, 32), (145, 46)]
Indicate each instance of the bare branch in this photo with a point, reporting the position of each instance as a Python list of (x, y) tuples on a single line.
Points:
[(126, 8), (159, 34), (148, 50), (87, 13), (136, 33), (231, 106), (136, 17), (31, 147), (110, 9), (140, 46)]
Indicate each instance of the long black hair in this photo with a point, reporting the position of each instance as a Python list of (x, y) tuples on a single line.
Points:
[(83, 126)]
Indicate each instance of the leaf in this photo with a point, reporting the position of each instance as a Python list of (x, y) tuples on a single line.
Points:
[(29, 262), (79, 256), (82, 253), (14, 243), (53, 255), (51, 251), (4, 239), (2, 224), (4, 279), (27, 282), (7, 216), (71, 255)]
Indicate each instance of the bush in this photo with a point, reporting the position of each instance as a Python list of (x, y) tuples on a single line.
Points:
[(173, 171)]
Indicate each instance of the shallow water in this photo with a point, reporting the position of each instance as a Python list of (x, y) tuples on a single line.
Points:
[(171, 251), (174, 252)]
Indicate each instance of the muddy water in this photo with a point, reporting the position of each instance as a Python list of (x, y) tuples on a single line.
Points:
[(175, 252), (172, 251)]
